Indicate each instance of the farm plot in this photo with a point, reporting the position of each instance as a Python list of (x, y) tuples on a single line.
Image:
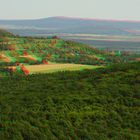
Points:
[(58, 67)]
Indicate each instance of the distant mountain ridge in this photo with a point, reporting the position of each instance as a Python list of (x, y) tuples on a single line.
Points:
[(75, 25)]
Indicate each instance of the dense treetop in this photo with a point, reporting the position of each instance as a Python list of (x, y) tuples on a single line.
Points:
[(98, 104)]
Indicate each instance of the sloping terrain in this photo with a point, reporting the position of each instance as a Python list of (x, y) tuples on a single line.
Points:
[(101, 104), (15, 51), (4, 33)]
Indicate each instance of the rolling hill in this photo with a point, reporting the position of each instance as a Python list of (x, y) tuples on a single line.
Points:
[(75, 25), (15, 50), (105, 34), (70, 91)]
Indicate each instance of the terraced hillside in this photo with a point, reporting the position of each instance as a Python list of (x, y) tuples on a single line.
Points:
[(36, 51)]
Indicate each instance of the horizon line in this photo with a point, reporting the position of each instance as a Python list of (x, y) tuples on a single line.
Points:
[(80, 18)]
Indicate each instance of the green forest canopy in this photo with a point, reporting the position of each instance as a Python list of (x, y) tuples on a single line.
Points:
[(101, 104)]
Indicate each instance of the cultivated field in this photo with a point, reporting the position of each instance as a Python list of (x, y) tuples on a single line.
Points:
[(127, 43), (49, 68)]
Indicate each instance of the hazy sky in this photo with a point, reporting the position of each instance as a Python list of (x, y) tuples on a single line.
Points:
[(106, 9)]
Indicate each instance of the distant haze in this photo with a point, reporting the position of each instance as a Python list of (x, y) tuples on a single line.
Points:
[(61, 25), (100, 9)]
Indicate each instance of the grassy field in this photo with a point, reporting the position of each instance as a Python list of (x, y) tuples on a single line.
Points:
[(49, 68)]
